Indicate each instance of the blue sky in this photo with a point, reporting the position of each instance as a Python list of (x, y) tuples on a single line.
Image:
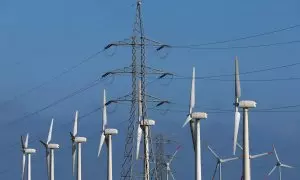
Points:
[(41, 39)]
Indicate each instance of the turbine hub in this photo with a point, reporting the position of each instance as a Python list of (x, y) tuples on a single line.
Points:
[(80, 139), (110, 131), (53, 146), (247, 104), (199, 115), (147, 122)]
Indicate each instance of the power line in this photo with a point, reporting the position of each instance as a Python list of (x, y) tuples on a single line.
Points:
[(247, 37), (241, 73), (56, 77), (236, 47), (81, 90)]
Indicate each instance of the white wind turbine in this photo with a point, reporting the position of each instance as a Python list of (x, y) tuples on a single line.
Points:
[(143, 129), (76, 146), (169, 171), (246, 105), (278, 164), (237, 115), (106, 135), (220, 161), (50, 152), (194, 119), (26, 151)]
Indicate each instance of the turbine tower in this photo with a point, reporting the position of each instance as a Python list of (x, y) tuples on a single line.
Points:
[(76, 146), (220, 162), (237, 115), (50, 147), (26, 151), (246, 105), (194, 119), (278, 164), (106, 136), (143, 129), (145, 126)]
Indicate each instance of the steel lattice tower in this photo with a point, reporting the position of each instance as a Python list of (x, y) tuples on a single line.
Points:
[(138, 71)]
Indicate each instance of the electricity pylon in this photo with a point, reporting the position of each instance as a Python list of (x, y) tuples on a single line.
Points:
[(138, 70)]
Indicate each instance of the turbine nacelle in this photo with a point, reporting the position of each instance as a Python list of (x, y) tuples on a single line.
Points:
[(53, 146), (29, 151), (199, 115), (247, 104), (110, 131), (147, 122), (80, 139)]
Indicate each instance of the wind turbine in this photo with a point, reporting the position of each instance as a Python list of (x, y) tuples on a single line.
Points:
[(220, 162), (278, 164), (194, 119), (143, 129), (76, 146), (50, 147), (26, 151), (237, 115), (169, 163), (106, 136), (246, 105)]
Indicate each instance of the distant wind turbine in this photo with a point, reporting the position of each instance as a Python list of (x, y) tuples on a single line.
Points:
[(106, 135), (143, 129), (220, 161), (76, 146), (194, 119), (50, 152), (26, 151), (168, 163), (278, 164)]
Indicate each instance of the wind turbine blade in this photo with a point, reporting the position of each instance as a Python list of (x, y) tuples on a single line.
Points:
[(104, 113), (102, 139), (22, 142), (140, 99), (286, 166), (272, 170), (138, 141), (239, 145), (193, 97), (260, 155), (193, 132), (276, 155), (230, 159), (50, 132), (213, 152), (73, 157), (237, 117), (215, 171), (26, 141), (172, 175), (188, 119), (23, 166), (237, 79), (43, 143), (171, 159), (48, 162), (75, 128)]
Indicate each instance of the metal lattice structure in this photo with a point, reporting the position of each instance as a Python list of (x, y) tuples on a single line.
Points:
[(138, 71)]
